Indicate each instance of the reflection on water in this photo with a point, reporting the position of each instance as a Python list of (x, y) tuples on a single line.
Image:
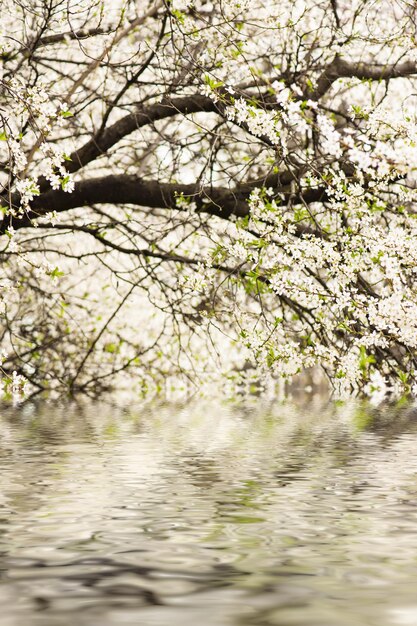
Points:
[(210, 515)]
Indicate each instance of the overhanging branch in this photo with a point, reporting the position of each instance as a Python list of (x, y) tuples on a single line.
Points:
[(341, 68), (125, 189), (103, 141)]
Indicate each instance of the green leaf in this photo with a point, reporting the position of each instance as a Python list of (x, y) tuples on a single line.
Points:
[(111, 348), (178, 15), (365, 359), (56, 273), (64, 181)]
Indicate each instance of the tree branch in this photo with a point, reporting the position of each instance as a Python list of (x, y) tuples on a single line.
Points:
[(105, 140), (126, 189), (340, 68)]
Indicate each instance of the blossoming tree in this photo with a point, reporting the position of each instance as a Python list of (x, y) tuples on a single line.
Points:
[(208, 190)]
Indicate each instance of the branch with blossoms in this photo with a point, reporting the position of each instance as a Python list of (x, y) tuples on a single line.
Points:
[(340, 67), (243, 174)]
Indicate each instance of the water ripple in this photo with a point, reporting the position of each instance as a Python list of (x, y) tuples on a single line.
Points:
[(267, 515)]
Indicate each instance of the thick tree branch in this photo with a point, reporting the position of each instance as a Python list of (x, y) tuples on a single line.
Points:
[(341, 68), (125, 189), (105, 140), (83, 33)]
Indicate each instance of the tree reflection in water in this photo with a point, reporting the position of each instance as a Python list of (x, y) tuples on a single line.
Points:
[(212, 514)]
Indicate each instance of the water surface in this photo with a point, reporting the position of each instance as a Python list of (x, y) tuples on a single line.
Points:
[(208, 514)]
